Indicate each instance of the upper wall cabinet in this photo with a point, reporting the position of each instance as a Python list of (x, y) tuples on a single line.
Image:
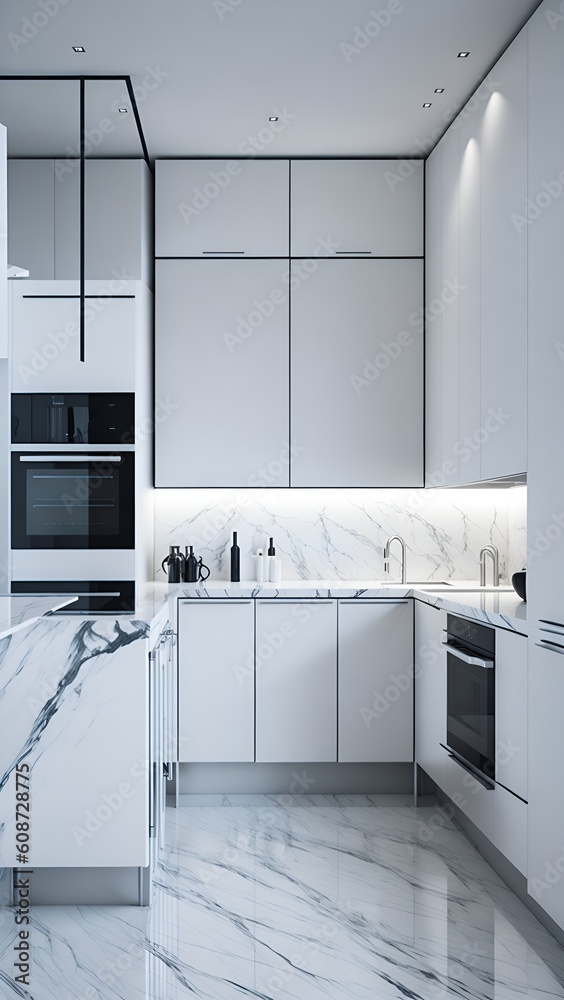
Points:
[(208, 208), (222, 359), (367, 208), (3, 247), (357, 373), (44, 219)]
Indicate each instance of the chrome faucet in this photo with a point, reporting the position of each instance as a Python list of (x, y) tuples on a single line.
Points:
[(489, 550), (395, 538)]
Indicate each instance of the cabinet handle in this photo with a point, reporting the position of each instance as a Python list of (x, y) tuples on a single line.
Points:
[(555, 647), (73, 457), (472, 661), (295, 600), (341, 253), (372, 600), (212, 600), (546, 621), (223, 253)]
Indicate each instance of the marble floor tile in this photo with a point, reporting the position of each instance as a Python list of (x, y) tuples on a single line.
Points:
[(303, 898)]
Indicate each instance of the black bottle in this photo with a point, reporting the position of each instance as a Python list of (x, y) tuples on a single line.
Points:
[(235, 560), (190, 566)]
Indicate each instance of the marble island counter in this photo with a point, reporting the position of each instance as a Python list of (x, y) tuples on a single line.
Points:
[(19, 611)]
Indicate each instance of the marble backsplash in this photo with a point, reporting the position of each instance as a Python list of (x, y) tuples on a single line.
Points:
[(340, 534)]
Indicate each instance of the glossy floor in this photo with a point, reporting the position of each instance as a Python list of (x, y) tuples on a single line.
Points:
[(303, 898)]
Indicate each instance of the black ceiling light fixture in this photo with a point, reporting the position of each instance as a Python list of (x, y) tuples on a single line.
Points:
[(463, 55), (122, 111), (439, 90), (78, 48), (273, 118), (427, 104)]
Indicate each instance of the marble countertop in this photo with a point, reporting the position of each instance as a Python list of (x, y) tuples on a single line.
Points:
[(18, 611), (499, 607)]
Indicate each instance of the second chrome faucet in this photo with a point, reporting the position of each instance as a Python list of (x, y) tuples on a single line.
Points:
[(491, 551), (395, 538)]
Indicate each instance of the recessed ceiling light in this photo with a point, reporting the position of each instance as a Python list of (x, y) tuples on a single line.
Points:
[(463, 55), (273, 118), (427, 104), (439, 90), (122, 111), (78, 48)]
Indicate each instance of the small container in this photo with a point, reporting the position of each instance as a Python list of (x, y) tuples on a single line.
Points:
[(235, 560), (270, 572), (275, 570)]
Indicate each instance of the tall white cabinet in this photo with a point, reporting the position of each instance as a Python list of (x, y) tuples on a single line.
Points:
[(292, 361), (476, 290)]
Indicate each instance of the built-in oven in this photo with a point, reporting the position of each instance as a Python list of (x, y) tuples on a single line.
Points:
[(73, 500), (471, 694)]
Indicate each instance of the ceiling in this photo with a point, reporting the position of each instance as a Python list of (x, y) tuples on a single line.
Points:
[(209, 73)]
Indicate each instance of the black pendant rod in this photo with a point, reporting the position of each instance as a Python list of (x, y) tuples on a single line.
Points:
[(82, 200)]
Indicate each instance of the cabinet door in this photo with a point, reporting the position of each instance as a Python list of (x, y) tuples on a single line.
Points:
[(430, 690), (225, 207), (433, 324), (222, 360), (31, 219), (216, 700), (545, 230), (546, 802), (504, 268), (470, 415), (361, 207), (46, 348), (296, 681), (511, 711), (3, 245), (375, 681), (357, 373), (116, 221), (450, 378)]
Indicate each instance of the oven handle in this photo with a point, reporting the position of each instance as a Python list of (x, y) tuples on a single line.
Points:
[(473, 661), (47, 457)]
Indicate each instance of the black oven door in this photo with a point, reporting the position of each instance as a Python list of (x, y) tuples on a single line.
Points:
[(73, 501), (471, 709)]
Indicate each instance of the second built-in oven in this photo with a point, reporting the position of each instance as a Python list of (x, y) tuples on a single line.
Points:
[(471, 694)]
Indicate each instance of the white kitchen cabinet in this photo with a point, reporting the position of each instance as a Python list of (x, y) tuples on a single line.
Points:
[(117, 221), (511, 696), (31, 216), (216, 700), (433, 324), (357, 373), (430, 690), (473, 797), (46, 341), (375, 690), (296, 681), (511, 828), (357, 207), (503, 282), (44, 219), (3, 244), (222, 207), (450, 361), (222, 359), (469, 300), (546, 754), (542, 222)]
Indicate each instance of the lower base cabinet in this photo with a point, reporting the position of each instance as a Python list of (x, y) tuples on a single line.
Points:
[(296, 681), (545, 871), (430, 690), (216, 690), (375, 681)]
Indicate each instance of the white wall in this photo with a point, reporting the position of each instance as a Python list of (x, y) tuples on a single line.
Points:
[(340, 534)]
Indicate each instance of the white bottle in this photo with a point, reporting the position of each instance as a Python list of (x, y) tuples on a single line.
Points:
[(272, 562), (259, 566)]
